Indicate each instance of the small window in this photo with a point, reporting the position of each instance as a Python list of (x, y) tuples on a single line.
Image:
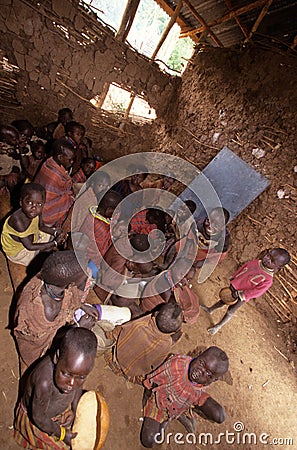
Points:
[(124, 103), (110, 11)]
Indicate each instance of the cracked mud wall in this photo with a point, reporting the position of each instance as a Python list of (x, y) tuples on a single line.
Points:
[(65, 57)]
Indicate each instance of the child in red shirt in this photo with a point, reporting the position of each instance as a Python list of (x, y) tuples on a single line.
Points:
[(251, 280)]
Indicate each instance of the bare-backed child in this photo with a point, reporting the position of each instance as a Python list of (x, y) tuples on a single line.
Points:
[(32, 162), (48, 405), (24, 233)]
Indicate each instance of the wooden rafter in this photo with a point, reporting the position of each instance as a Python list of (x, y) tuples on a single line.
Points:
[(127, 20), (183, 25), (237, 20), (226, 17), (203, 23), (168, 28), (259, 20)]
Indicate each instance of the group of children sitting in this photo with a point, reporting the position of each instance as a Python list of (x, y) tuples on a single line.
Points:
[(70, 213)]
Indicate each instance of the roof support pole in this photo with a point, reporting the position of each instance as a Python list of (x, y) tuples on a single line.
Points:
[(127, 20), (203, 23), (168, 28), (258, 21), (226, 17), (241, 26)]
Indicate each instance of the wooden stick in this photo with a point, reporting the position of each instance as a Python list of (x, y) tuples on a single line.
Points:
[(267, 143), (255, 221), (259, 20), (275, 129), (280, 353), (290, 209), (290, 186), (168, 28), (183, 25), (241, 26), (277, 277), (277, 309), (280, 302), (267, 239), (203, 23), (225, 18), (127, 19), (190, 161), (289, 269), (269, 139), (238, 143), (196, 139)]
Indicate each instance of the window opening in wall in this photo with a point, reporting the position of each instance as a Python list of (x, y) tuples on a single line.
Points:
[(146, 31), (147, 28), (116, 100), (126, 104), (110, 11)]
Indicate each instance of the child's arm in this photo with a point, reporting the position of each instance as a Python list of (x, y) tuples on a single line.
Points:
[(40, 404), (17, 224), (59, 235)]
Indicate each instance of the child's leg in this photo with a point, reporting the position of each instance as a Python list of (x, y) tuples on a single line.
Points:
[(212, 308), (230, 311), (151, 432), (226, 298)]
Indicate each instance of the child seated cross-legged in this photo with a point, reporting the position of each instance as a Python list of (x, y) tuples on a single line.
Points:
[(49, 400)]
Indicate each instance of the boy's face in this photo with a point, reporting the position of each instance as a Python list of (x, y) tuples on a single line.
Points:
[(272, 259), (32, 204), (101, 186), (137, 178), (39, 153), (213, 224), (72, 370), (88, 168), (25, 137), (12, 138), (203, 369), (66, 159), (65, 118), (77, 134)]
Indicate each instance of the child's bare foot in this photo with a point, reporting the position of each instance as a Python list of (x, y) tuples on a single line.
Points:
[(213, 330)]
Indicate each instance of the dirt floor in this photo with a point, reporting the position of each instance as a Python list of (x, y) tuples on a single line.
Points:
[(246, 100), (259, 392)]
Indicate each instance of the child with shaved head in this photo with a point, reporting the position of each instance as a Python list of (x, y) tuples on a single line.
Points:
[(178, 385), (48, 405), (251, 280), (47, 303)]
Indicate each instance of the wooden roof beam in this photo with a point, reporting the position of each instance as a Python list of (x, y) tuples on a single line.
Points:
[(183, 25), (168, 28), (226, 17), (259, 20), (127, 20), (241, 26), (203, 23)]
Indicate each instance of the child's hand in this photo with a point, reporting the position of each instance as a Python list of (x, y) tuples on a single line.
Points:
[(68, 419), (87, 321), (90, 311), (69, 435), (60, 236)]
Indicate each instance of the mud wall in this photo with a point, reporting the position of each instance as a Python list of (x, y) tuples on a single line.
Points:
[(65, 57), (246, 100)]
